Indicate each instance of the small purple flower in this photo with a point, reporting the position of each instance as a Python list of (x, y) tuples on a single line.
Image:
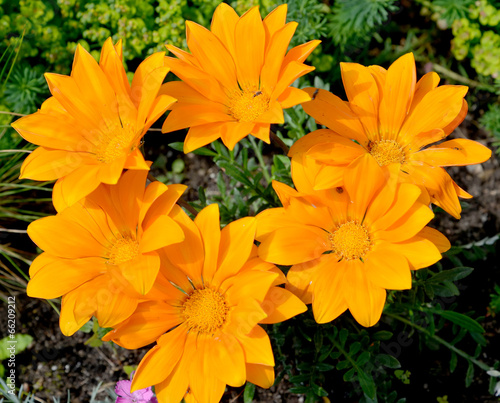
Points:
[(122, 389)]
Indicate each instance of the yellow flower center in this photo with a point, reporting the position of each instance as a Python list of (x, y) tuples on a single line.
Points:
[(114, 143), (205, 311), (387, 152), (350, 241), (123, 250), (247, 105)]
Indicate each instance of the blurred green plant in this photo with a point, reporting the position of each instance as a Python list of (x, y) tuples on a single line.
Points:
[(25, 91), (476, 31), (491, 122), (355, 21)]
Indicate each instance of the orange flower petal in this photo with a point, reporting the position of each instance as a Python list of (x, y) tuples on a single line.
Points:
[(236, 243), (439, 185), (437, 238), (45, 164), (111, 64), (211, 54), (300, 278), (332, 112), (387, 268), (75, 186), (64, 238), (204, 384), (141, 272), (175, 386), (71, 318), (426, 84), (189, 115), (365, 300), (280, 305), (149, 321), (198, 79), (288, 75), (159, 362), (275, 54), (409, 224), (454, 152), (250, 57), (112, 307), (420, 252), (328, 300), (202, 135), (362, 92), (292, 245), (397, 96), (260, 375), (188, 255), (227, 359), (162, 232), (299, 53), (274, 21), (437, 109), (257, 347), (293, 96), (373, 179), (70, 273), (234, 131), (223, 25), (208, 222)]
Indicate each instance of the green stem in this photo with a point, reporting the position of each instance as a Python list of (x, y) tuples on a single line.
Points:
[(262, 164), (462, 79), (461, 353)]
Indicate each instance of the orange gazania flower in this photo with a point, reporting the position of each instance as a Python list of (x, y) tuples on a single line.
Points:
[(207, 325), (393, 119), (347, 251), (236, 81), (101, 253), (91, 127)]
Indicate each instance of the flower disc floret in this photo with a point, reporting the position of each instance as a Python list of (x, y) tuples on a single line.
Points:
[(115, 143), (387, 152), (350, 240), (205, 311), (247, 106), (123, 250)]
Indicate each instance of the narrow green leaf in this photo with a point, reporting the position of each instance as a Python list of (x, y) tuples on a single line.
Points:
[(177, 146), (382, 335), (451, 275), (249, 392), (388, 361), (461, 320), (453, 362), (469, 376), (367, 384)]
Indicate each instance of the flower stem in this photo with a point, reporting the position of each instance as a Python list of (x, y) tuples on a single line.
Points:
[(278, 142), (262, 164), (461, 79)]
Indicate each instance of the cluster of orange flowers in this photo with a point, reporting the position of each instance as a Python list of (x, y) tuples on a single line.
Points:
[(354, 226)]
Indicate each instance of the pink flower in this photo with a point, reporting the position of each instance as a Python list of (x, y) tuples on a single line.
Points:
[(122, 389)]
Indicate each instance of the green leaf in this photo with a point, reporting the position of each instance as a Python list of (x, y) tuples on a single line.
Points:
[(16, 344), (322, 367), (367, 384), (453, 362), (349, 375), (300, 390), (382, 335), (445, 290), (469, 376), (249, 392), (177, 146), (234, 173), (343, 365), (343, 336), (451, 275), (388, 361), (354, 348), (204, 151), (363, 358), (460, 319), (318, 390)]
